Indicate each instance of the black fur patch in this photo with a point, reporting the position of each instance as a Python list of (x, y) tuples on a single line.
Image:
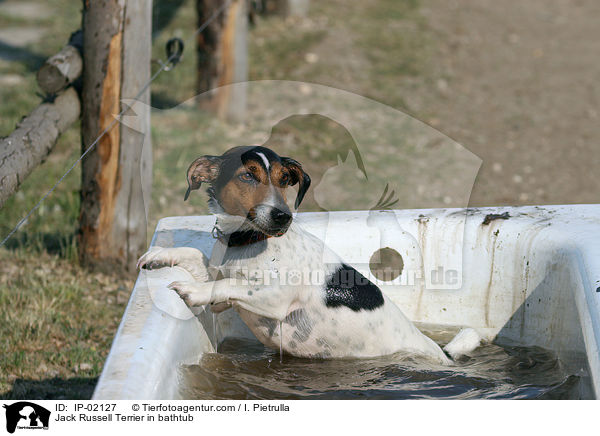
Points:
[(347, 287)]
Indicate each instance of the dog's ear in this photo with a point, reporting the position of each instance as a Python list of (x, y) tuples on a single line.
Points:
[(297, 175), (203, 169)]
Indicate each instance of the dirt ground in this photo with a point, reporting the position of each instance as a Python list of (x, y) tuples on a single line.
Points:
[(514, 82), (517, 85)]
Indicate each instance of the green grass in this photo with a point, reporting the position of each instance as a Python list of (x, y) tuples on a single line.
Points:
[(400, 52), (178, 85), (58, 321), (273, 45)]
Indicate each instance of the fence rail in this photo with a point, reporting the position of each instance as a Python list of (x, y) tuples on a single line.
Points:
[(29, 145), (64, 68)]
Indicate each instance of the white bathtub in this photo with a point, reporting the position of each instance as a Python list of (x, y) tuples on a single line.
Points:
[(532, 278)]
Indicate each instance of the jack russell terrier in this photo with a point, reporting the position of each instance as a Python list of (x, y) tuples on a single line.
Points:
[(338, 314)]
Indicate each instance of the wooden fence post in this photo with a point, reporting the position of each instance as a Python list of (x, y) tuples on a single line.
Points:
[(222, 58), (116, 174)]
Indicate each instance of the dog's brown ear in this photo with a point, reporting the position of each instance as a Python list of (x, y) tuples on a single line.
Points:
[(297, 175), (203, 169)]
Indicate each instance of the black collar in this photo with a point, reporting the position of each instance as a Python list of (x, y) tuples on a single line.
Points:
[(239, 239)]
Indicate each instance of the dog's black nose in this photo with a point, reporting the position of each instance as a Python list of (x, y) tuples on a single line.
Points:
[(280, 217)]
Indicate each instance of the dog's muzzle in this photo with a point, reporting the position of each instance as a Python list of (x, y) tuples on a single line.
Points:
[(271, 220)]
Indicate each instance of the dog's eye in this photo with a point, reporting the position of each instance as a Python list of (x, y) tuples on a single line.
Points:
[(285, 179), (247, 177)]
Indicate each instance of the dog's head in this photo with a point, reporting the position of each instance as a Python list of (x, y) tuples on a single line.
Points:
[(250, 183)]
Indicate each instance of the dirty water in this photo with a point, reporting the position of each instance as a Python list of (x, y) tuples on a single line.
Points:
[(245, 369)]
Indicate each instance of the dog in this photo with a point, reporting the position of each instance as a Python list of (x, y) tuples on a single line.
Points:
[(260, 252)]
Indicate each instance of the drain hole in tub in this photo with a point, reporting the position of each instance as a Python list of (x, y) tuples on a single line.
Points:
[(386, 264)]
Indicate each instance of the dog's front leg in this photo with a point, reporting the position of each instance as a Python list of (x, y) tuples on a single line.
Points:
[(188, 258), (269, 300)]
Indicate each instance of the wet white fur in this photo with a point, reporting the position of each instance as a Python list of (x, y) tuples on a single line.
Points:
[(309, 327), (463, 343)]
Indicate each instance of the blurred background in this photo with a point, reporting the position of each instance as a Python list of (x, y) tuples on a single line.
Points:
[(512, 82)]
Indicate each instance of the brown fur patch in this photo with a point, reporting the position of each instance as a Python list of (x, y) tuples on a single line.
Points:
[(238, 197)]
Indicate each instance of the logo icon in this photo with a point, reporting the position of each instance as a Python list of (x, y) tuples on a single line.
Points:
[(26, 415)]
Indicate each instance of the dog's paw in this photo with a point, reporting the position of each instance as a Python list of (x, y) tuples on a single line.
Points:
[(156, 257), (159, 257), (188, 258), (192, 293)]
